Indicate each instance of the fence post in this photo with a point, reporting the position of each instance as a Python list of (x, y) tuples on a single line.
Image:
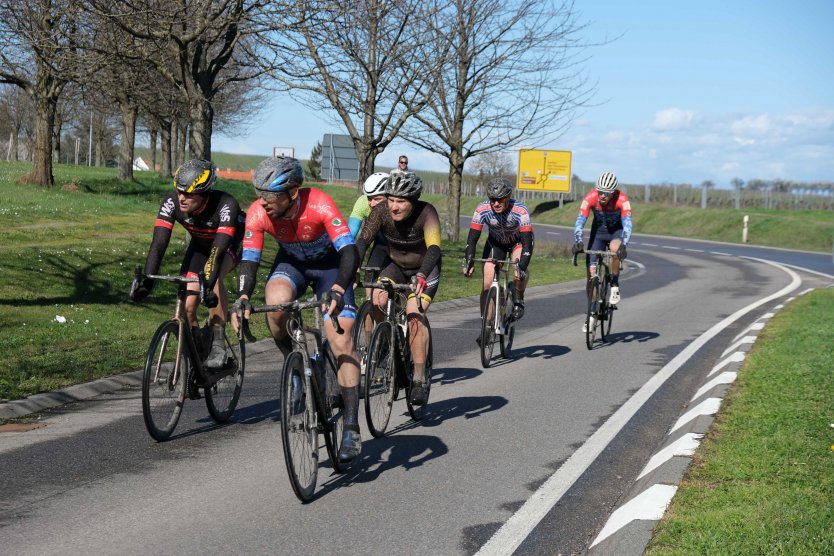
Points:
[(744, 229), (703, 197)]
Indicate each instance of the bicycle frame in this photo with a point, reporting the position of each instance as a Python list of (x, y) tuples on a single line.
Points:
[(500, 285)]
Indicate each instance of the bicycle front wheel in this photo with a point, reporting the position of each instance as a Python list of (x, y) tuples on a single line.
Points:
[(380, 383), (164, 381), (363, 327), (488, 328), (507, 321), (591, 316), (332, 407), (299, 432), (603, 308), (417, 412), (223, 395)]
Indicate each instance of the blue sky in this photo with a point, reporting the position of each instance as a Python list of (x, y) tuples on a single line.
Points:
[(686, 92)]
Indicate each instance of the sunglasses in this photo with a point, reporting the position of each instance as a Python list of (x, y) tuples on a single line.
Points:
[(271, 196), (498, 200)]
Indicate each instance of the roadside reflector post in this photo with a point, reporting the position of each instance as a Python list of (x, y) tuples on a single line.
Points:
[(744, 229)]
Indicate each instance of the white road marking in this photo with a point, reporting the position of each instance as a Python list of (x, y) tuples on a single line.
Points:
[(737, 357), (519, 525), (727, 377), (695, 250), (670, 247), (720, 253), (649, 244), (735, 346), (709, 406), (683, 446), (650, 505)]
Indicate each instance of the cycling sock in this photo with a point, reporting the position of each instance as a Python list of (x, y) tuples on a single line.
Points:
[(350, 397), (615, 280)]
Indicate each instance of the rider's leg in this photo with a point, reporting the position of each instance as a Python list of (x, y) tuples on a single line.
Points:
[(279, 290), (489, 273), (217, 317), (614, 294), (418, 336), (520, 285)]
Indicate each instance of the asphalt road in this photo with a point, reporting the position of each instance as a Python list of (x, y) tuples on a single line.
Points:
[(91, 480)]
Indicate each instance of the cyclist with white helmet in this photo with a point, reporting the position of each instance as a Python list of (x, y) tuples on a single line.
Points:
[(374, 194), (611, 228), (412, 230), (510, 233), (215, 223), (315, 249)]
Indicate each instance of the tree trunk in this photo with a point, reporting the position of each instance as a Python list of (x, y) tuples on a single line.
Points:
[(202, 120), (57, 126), (14, 146), (182, 142), (153, 133), (99, 153), (165, 144), (126, 149), (452, 224), (42, 153)]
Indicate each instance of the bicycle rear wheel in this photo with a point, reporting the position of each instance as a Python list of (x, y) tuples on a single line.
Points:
[(299, 433), (507, 321), (488, 328), (380, 382), (333, 408), (362, 329), (223, 395), (164, 381), (417, 412)]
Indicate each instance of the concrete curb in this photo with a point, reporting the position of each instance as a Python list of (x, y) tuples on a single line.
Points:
[(15, 409), (630, 527)]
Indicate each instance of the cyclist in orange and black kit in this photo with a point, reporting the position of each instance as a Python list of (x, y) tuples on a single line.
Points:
[(412, 230), (610, 230), (316, 249), (215, 222)]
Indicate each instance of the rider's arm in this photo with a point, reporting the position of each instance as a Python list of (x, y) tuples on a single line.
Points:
[(228, 210), (253, 243), (471, 243), (342, 240), (625, 217), (361, 209), (161, 234), (525, 231), (584, 211), (369, 230), (431, 234)]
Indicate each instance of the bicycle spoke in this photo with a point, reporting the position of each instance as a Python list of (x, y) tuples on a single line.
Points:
[(163, 382), (299, 433)]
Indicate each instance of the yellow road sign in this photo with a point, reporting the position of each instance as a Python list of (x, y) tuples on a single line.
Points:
[(544, 170)]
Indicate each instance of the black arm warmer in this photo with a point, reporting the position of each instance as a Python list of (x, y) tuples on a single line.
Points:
[(526, 250), (247, 273), (161, 237), (348, 264), (430, 260), (471, 243)]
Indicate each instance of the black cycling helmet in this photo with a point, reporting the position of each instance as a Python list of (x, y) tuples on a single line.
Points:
[(404, 184), (278, 174), (195, 176), (498, 188), (607, 182)]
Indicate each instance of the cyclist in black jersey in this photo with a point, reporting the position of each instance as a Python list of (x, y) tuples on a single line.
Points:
[(412, 230), (215, 223)]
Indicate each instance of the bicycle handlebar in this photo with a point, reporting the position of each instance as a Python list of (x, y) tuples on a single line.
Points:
[(594, 252), (392, 287), (297, 306), (139, 275), (496, 261)]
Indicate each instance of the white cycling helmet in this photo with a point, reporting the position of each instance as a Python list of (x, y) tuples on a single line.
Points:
[(375, 184), (607, 182)]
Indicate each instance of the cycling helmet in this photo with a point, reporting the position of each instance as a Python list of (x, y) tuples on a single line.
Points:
[(607, 182), (375, 184), (195, 176), (498, 188), (404, 184), (278, 174)]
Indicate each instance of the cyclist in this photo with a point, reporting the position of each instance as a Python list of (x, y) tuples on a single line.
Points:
[(510, 232), (316, 249), (610, 230), (412, 230), (215, 223), (374, 194)]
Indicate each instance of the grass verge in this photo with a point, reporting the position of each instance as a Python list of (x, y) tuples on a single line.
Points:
[(762, 480)]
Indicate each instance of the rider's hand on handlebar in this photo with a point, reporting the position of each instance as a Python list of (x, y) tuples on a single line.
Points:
[(241, 303), (142, 291), (210, 299), (520, 274), (333, 303), (419, 285), (621, 252), (468, 266), (577, 248)]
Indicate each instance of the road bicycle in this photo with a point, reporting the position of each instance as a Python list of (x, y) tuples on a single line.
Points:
[(174, 367), (497, 323), (389, 367), (364, 324), (600, 313), (311, 402)]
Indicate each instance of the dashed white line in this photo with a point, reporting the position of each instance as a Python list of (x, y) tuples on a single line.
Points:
[(727, 377), (735, 346), (737, 357), (650, 505), (694, 250), (683, 446), (670, 247), (707, 407), (720, 253)]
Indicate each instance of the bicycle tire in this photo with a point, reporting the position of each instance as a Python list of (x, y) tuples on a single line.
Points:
[(223, 395), (380, 380), (417, 412), (593, 300), (332, 407), (363, 328), (488, 328), (508, 323), (163, 384), (299, 434)]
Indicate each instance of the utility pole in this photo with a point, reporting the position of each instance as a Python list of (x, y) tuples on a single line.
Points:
[(90, 143)]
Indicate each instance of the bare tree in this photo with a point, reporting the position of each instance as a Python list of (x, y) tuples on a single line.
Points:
[(512, 75), (38, 55), (366, 61), (17, 115)]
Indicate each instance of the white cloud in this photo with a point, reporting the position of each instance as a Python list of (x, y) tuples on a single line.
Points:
[(672, 119)]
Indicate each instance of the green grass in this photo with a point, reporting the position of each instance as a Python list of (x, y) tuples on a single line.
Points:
[(69, 252), (762, 480)]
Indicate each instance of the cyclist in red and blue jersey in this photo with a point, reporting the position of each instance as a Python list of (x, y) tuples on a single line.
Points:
[(510, 232), (215, 223), (611, 228), (316, 249)]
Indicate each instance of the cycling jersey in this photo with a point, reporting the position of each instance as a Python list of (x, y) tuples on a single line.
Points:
[(609, 218), (314, 233), (214, 230), (413, 243), (506, 229)]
